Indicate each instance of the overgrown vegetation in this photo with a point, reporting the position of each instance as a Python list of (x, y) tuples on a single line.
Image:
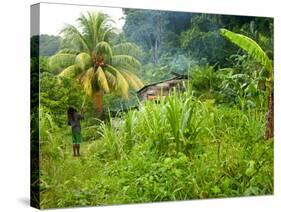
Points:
[(179, 149), (206, 142)]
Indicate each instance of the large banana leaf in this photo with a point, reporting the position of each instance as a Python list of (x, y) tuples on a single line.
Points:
[(248, 45)]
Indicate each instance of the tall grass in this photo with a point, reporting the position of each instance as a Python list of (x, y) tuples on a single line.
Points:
[(111, 140), (178, 148), (170, 126)]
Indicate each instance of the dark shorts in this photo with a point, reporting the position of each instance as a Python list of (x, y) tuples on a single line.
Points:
[(76, 137)]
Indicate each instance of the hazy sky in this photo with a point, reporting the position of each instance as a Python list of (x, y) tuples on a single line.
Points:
[(54, 16)]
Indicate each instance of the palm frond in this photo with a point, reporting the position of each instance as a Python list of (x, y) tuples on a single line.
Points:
[(102, 25), (124, 61), (75, 37), (127, 48), (127, 67), (86, 25), (105, 35), (96, 26), (101, 79), (80, 76), (87, 81), (70, 71), (121, 87), (83, 60), (104, 48), (68, 51), (133, 81), (248, 45), (60, 61), (111, 80)]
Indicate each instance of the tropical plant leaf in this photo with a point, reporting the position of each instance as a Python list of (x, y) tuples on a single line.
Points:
[(133, 81), (87, 81), (60, 61), (121, 87), (136, 78), (101, 79), (124, 60), (73, 36), (111, 80), (106, 34), (104, 48), (87, 27), (68, 51), (83, 60), (248, 45), (102, 25), (70, 71), (127, 48)]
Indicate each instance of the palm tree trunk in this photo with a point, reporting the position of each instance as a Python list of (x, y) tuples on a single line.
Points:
[(98, 104), (270, 114)]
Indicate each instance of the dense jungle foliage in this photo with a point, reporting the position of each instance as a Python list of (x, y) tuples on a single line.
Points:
[(206, 142)]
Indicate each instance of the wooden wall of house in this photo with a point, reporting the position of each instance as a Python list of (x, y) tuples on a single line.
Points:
[(162, 89)]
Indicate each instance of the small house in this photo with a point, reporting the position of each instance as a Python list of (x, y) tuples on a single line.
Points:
[(162, 88)]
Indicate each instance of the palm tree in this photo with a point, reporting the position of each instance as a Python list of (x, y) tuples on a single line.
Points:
[(254, 50), (99, 66)]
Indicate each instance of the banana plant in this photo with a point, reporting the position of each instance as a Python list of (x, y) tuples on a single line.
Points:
[(254, 50)]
